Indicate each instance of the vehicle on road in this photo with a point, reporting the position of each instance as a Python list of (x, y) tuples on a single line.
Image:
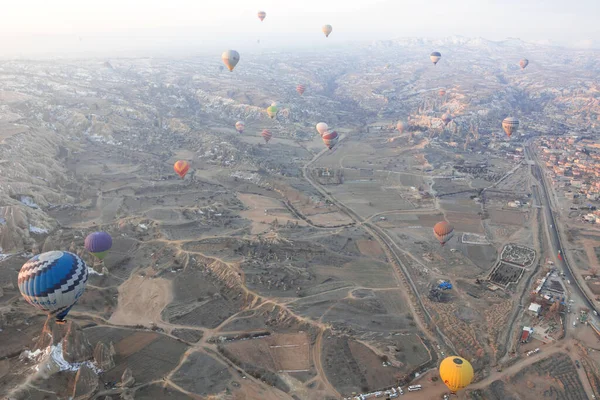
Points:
[(577, 364), (414, 388)]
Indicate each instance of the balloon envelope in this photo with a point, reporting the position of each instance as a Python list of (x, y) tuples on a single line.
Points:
[(442, 92), (443, 232), (330, 139), (300, 89), (327, 29), (262, 15), (98, 243), (53, 282), (266, 135), (510, 125), (456, 373), (239, 126), (435, 57), (400, 126), (181, 168), (272, 111), (446, 118), (523, 63), (230, 59), (322, 128)]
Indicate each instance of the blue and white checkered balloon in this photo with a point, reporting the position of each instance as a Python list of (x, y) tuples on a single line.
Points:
[(53, 281)]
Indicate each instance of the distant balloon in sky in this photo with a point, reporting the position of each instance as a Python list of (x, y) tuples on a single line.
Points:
[(400, 126), (456, 373), (98, 243), (327, 29), (262, 15), (230, 59), (443, 232), (53, 282), (523, 63), (181, 168), (510, 125), (300, 89), (322, 128), (435, 57), (446, 118), (330, 139), (442, 92), (239, 126), (272, 111), (266, 135)]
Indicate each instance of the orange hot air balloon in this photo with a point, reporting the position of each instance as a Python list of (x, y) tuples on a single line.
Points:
[(443, 232), (262, 15), (181, 168), (330, 139), (266, 135), (446, 118), (322, 128), (510, 125), (300, 89), (400, 126)]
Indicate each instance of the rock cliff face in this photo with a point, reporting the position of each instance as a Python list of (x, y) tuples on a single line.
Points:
[(86, 383), (103, 356)]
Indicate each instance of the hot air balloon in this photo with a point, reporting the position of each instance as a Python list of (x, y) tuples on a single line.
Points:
[(272, 110), (300, 89), (322, 128), (523, 63), (239, 126), (327, 30), (98, 243), (443, 232), (53, 282), (330, 139), (181, 168), (262, 15), (266, 135), (230, 59), (435, 57), (510, 125), (446, 118), (400, 126), (456, 373), (442, 92)]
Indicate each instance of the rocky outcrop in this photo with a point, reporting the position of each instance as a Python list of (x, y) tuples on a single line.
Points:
[(86, 383), (76, 347), (127, 379), (103, 355)]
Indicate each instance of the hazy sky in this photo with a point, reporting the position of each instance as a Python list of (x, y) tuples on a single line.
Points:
[(204, 24)]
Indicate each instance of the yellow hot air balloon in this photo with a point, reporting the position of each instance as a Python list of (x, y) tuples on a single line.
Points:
[(456, 373)]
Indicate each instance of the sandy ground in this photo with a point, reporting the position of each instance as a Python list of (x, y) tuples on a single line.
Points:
[(141, 300), (261, 221)]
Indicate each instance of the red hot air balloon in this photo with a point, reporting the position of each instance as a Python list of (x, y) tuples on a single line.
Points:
[(181, 168), (266, 135), (523, 63), (300, 89), (330, 139), (262, 15), (443, 232)]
